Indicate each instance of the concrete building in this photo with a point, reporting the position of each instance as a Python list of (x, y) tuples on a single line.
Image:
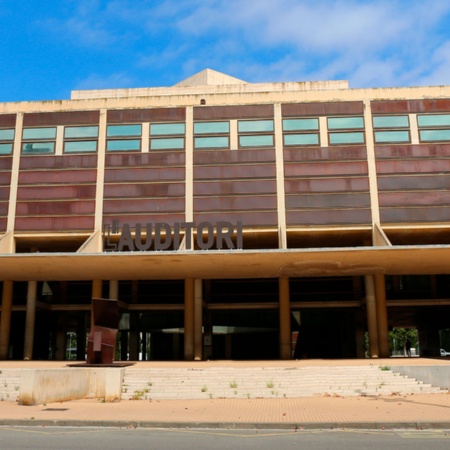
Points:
[(230, 219)]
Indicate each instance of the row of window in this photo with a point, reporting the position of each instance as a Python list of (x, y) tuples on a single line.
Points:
[(251, 133)]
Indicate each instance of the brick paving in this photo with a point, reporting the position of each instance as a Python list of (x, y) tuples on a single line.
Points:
[(420, 410)]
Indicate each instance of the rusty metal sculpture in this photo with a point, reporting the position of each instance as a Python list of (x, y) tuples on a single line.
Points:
[(102, 338)]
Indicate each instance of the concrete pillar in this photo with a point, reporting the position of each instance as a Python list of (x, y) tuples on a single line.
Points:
[(285, 319), (371, 307), (5, 321), (30, 320), (97, 292), (382, 317), (114, 289), (134, 324), (198, 320), (189, 296)]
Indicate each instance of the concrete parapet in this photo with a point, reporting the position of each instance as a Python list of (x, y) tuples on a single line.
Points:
[(435, 375), (39, 386)]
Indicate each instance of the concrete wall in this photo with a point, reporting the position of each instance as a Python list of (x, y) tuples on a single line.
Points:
[(438, 376), (39, 386)]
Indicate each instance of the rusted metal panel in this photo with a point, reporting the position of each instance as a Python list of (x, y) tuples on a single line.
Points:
[(58, 176), (411, 214), (5, 178), (326, 169), (144, 190), (430, 182), (243, 203), (343, 184), (238, 171), (415, 198), (329, 217), (233, 112), (61, 118), (325, 153), (3, 208), (145, 174), (410, 106), (8, 120), (321, 108), (5, 163), (146, 115), (58, 162), (55, 208), (133, 219), (261, 218), (234, 187), (146, 159), (328, 200), (233, 157), (143, 205), (413, 166), (412, 151), (56, 192), (76, 223), (4, 193)]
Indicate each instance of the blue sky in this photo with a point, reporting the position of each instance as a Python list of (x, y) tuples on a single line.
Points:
[(48, 48)]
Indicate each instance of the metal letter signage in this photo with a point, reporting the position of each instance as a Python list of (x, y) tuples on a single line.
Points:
[(177, 237)]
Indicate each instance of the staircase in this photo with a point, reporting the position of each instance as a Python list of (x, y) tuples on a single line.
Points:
[(267, 382), (9, 384)]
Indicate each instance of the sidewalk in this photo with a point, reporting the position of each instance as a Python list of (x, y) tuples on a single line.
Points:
[(414, 411), (394, 411)]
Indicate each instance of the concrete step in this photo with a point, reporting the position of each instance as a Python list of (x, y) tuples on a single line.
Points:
[(9, 384), (217, 382)]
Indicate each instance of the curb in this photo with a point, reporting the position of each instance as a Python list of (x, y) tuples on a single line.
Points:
[(225, 425)]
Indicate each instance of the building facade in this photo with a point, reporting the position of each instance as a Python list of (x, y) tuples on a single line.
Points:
[(229, 219)]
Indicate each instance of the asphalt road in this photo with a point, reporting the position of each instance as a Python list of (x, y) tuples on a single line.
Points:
[(142, 438)]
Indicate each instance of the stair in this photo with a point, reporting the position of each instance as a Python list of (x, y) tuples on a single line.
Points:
[(9, 384), (267, 382)]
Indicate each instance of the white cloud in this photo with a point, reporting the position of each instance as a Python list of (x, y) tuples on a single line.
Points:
[(371, 43)]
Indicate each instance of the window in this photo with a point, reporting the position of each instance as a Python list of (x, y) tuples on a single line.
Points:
[(37, 141), (434, 127), (166, 136), (39, 133), (298, 131), (79, 139), (346, 138), (343, 123), (339, 134), (256, 133), (123, 130), (80, 132), (38, 147), (123, 138), (391, 129), (211, 135), (6, 141)]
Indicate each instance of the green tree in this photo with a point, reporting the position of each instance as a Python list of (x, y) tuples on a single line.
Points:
[(398, 338)]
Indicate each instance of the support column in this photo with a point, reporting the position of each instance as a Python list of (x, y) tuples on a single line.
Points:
[(114, 289), (371, 306), (198, 320), (134, 324), (382, 318), (30, 321), (97, 292), (5, 323), (189, 296), (285, 319)]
